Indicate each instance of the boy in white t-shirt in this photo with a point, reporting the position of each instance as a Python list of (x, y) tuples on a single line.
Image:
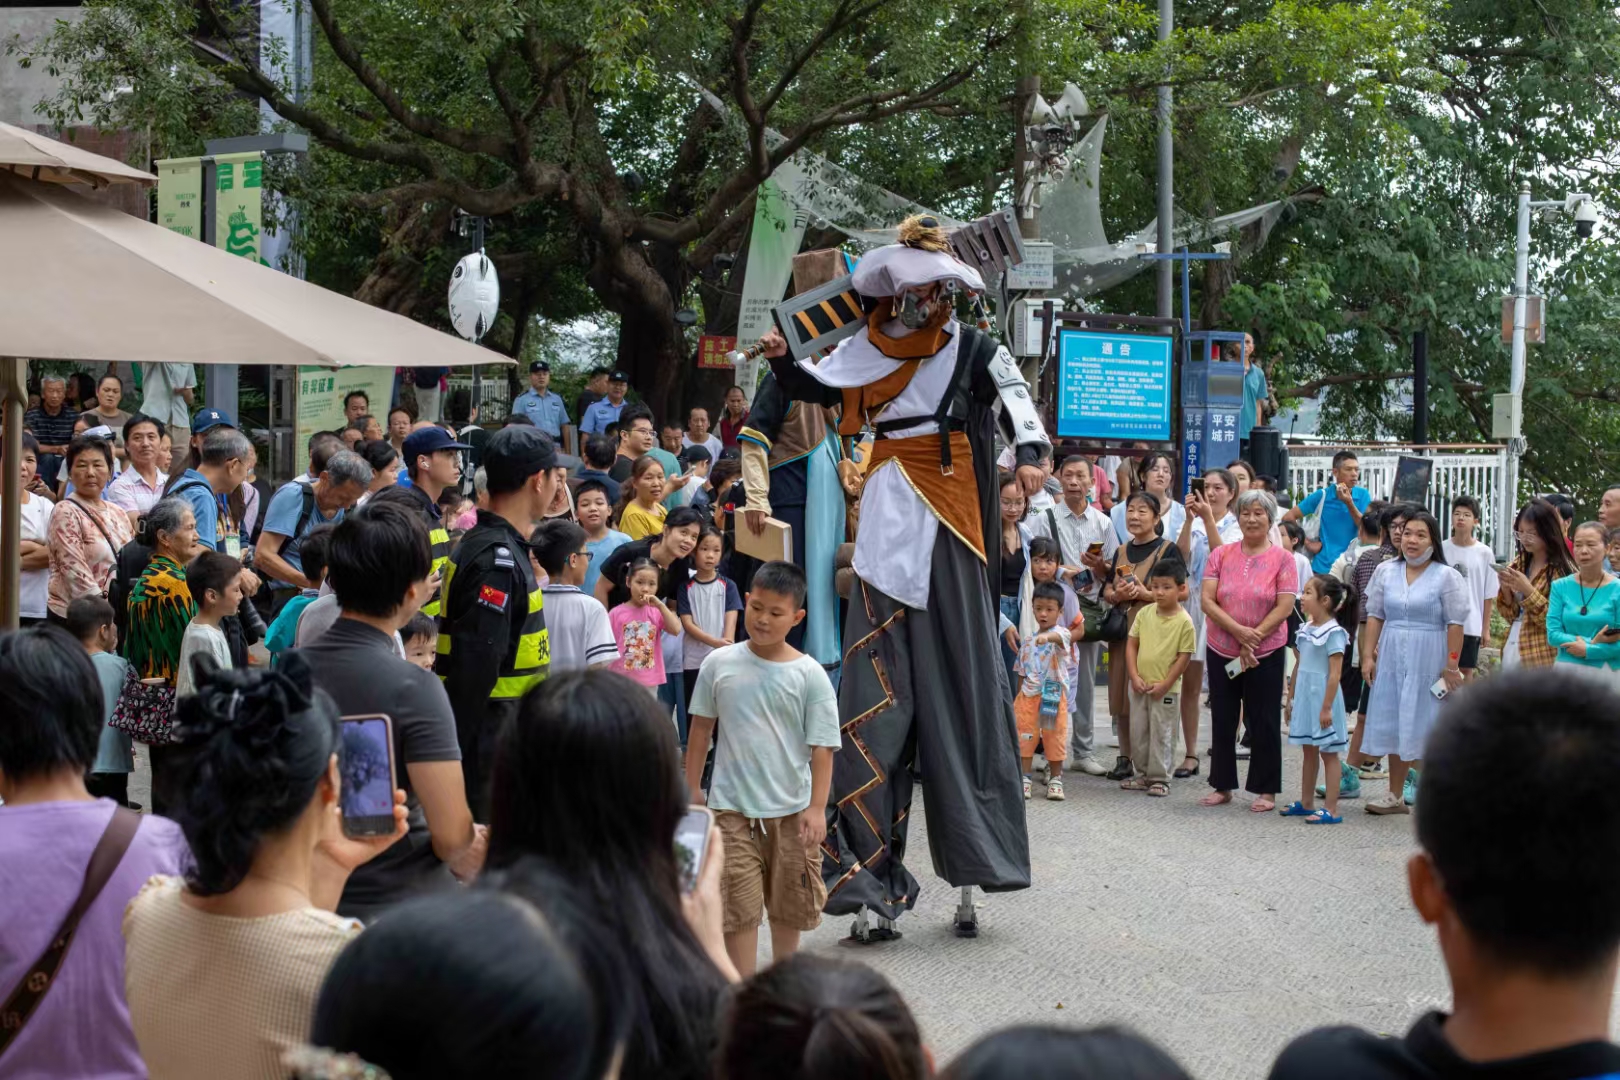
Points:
[(576, 622), (214, 579), (772, 769), (1477, 564)]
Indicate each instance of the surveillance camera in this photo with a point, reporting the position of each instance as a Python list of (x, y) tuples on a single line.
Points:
[(1586, 217)]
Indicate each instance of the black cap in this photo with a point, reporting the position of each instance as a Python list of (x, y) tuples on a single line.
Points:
[(618, 376), (513, 454), (428, 441), (539, 365)]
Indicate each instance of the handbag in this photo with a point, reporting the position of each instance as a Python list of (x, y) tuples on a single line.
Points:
[(41, 975), (145, 711), (1116, 625), (1103, 622)]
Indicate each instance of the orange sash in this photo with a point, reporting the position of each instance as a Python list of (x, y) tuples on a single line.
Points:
[(862, 402), (952, 497)]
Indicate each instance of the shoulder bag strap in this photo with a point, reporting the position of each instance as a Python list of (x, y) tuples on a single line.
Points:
[(27, 995), (100, 528), (1057, 537)]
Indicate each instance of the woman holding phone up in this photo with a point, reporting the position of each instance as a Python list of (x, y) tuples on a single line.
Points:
[(1526, 585), (1416, 607), (258, 803), (1583, 609)]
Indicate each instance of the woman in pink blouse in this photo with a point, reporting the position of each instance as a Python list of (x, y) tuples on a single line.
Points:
[(1248, 594), (86, 530)]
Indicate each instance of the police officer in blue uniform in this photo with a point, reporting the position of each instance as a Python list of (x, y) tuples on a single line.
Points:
[(493, 646), (544, 408), (605, 412)]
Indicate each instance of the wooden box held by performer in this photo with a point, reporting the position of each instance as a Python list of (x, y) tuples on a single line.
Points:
[(923, 686)]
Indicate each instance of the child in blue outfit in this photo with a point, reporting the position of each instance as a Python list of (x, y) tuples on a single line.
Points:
[(1317, 721), (284, 627)]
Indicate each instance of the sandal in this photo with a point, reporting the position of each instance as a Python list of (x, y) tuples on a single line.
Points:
[(1322, 817), (1135, 783), (1296, 810), (1184, 772), (1158, 789), (1262, 806), (1216, 798)]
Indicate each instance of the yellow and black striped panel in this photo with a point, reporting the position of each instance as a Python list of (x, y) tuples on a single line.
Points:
[(826, 316)]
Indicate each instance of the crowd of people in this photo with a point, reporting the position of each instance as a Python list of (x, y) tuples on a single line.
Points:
[(1339, 623), (572, 655)]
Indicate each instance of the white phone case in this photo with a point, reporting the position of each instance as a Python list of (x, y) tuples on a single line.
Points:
[(1440, 689), (1234, 669)]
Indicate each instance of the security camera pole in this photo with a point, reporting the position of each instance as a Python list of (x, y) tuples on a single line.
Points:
[(1580, 205)]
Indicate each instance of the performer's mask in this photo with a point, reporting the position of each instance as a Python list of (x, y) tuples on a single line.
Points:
[(914, 311)]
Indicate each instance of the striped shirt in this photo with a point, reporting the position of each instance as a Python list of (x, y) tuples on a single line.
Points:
[(51, 430), (129, 491)]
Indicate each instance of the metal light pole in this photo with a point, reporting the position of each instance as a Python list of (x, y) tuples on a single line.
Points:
[(1579, 205), (1166, 237)]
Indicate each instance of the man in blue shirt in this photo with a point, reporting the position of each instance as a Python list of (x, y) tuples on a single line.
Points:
[(605, 412), (1255, 391), (299, 506), (1341, 506), (543, 407), (227, 457)]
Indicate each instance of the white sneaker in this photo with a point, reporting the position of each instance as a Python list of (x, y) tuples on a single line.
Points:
[(1089, 765), (1054, 790), (1028, 786)]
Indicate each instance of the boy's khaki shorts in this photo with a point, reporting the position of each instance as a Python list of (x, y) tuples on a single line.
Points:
[(768, 870)]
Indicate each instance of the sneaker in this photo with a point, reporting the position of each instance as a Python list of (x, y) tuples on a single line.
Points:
[(1029, 785), (1090, 766), (1373, 770), (1054, 791), (1387, 803), (1349, 785), (1121, 771), (1409, 793)]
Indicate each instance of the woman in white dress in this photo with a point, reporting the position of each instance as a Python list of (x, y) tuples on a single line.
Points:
[(1416, 606), (1213, 524)]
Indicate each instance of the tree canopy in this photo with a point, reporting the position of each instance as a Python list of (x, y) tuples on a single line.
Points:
[(1399, 129)]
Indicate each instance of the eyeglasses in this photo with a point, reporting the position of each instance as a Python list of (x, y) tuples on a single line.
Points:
[(1009, 504)]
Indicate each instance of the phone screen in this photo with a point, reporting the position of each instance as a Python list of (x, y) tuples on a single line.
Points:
[(691, 842), (367, 768)]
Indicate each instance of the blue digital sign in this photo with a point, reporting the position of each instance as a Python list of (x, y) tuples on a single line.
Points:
[(1113, 386)]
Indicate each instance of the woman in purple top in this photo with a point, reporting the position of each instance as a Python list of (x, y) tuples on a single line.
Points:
[(1248, 594), (51, 699)]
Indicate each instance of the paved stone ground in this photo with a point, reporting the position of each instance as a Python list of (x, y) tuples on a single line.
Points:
[(1219, 933)]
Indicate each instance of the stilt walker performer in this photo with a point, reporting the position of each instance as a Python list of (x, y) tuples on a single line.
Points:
[(923, 687)]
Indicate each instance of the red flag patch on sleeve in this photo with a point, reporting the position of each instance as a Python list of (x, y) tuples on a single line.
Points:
[(491, 597)]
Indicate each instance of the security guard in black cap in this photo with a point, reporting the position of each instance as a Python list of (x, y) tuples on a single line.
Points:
[(492, 632)]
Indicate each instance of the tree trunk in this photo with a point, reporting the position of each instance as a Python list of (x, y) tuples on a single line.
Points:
[(395, 282)]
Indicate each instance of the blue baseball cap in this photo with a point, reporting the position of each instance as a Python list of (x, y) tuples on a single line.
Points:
[(427, 441), (209, 419)]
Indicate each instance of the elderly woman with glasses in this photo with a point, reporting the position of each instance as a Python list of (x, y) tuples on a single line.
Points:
[(1248, 594)]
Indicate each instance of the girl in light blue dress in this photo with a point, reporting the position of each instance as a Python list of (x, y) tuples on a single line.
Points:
[(1317, 720), (1416, 607)]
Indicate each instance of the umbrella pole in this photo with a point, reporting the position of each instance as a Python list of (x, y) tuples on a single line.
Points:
[(14, 388)]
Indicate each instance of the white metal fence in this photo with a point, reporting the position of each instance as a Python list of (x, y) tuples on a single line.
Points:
[(1480, 471)]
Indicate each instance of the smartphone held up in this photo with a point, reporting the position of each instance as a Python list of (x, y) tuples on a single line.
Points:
[(366, 766), (692, 845)]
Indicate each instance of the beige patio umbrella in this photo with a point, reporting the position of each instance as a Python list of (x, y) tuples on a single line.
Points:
[(40, 157), (85, 282)]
